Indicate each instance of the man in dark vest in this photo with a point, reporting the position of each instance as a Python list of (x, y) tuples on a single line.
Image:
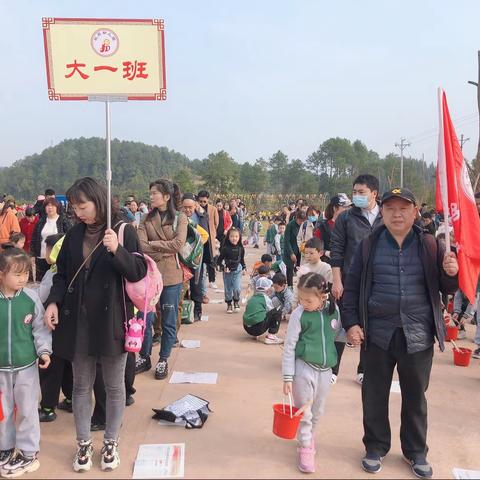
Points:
[(391, 305)]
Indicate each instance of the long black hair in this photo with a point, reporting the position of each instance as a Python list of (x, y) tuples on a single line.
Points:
[(166, 187), (88, 189)]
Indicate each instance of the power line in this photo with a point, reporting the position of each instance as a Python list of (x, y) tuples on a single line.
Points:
[(465, 119)]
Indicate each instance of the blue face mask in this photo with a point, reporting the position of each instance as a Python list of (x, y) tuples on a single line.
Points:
[(360, 201), (312, 218)]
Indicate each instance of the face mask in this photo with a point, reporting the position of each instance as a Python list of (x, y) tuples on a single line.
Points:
[(360, 201), (312, 219)]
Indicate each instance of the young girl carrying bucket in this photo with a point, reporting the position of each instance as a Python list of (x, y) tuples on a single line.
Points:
[(308, 357)]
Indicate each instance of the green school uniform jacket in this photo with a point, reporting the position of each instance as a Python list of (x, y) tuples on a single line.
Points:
[(310, 336), (23, 335)]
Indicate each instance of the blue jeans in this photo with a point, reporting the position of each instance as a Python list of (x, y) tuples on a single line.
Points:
[(232, 283), (169, 301), (146, 350)]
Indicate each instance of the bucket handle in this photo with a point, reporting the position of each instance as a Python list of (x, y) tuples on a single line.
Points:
[(455, 346), (290, 403)]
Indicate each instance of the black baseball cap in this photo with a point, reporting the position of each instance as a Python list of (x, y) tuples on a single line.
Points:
[(403, 193)]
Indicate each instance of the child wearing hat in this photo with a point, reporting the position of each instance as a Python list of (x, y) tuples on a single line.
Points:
[(260, 314)]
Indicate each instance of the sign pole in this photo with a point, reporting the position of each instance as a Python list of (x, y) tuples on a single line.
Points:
[(109, 164)]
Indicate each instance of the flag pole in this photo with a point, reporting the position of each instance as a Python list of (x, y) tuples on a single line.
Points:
[(442, 170), (109, 162)]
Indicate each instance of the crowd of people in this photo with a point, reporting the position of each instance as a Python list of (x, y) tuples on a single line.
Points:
[(371, 271)]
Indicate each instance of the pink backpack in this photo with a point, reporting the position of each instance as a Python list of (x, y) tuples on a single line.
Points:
[(145, 295), (146, 292)]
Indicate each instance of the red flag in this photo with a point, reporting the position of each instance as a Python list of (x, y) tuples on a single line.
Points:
[(456, 199)]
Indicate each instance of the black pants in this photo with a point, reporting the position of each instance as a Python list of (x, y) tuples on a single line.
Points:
[(99, 415), (57, 375), (414, 375), (340, 346), (208, 262), (361, 362), (290, 271), (271, 323), (194, 293)]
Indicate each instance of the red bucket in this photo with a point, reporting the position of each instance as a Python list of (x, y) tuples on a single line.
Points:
[(462, 358), (285, 424), (452, 333)]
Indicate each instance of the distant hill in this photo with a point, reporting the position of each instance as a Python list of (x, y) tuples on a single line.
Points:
[(134, 165)]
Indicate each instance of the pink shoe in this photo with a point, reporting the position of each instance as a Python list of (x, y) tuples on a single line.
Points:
[(306, 458)]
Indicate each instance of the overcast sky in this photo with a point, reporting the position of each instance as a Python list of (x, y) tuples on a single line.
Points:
[(255, 76)]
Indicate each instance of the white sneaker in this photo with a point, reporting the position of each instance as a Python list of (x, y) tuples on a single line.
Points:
[(359, 378), (213, 285), (333, 380), (271, 339), (83, 458), (462, 334), (110, 457)]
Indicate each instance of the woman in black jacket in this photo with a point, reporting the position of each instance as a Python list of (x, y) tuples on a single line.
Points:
[(49, 224), (87, 308)]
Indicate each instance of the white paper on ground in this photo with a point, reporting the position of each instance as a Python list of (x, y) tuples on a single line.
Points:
[(395, 387), (216, 301), (219, 291), (160, 461), (209, 378), (204, 318), (460, 474), (190, 343)]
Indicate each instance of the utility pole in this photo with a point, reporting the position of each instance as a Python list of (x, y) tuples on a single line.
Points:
[(402, 145), (477, 159), (463, 141)]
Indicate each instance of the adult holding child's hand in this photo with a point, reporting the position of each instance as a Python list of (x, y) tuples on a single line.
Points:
[(391, 304), (51, 316)]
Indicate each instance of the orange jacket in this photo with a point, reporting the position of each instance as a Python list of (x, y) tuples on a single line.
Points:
[(8, 225)]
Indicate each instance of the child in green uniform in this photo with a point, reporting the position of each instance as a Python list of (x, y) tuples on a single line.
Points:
[(261, 315), (308, 357), (24, 339)]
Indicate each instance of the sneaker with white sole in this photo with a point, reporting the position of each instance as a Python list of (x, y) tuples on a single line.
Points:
[(83, 458), (110, 458), (142, 364), (6, 456), (462, 335), (372, 463), (476, 353), (271, 339), (420, 467), (333, 380), (213, 285), (359, 378), (18, 465), (161, 370)]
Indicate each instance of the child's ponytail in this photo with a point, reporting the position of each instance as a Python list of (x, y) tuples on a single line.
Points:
[(316, 281)]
